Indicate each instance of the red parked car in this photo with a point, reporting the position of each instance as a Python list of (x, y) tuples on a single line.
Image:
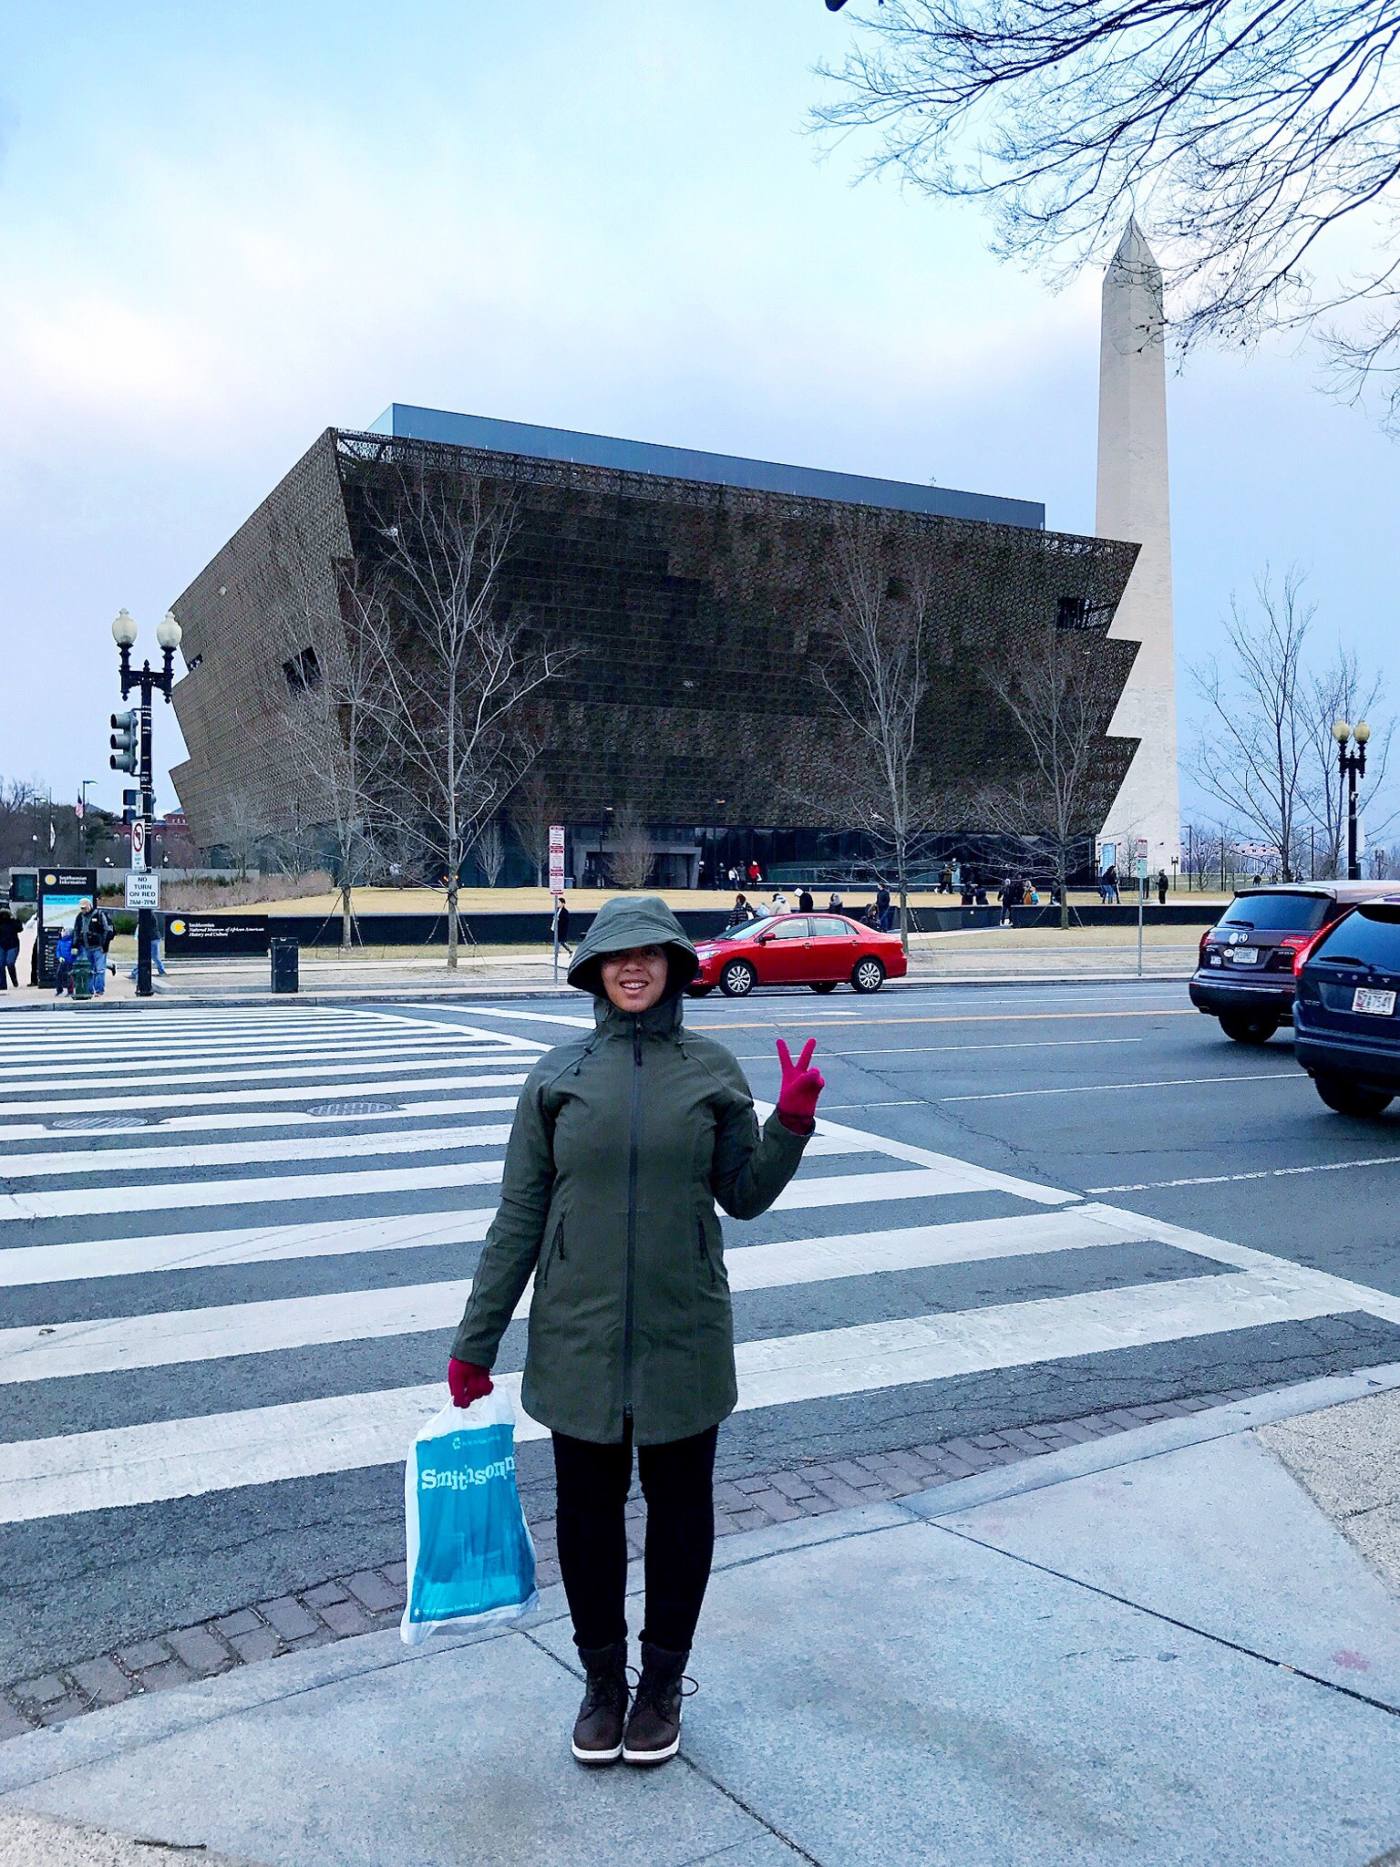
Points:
[(819, 950)]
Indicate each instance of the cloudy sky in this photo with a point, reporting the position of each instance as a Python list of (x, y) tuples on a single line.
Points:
[(225, 229)]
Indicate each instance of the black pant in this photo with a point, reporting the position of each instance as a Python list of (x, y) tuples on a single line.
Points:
[(678, 1485)]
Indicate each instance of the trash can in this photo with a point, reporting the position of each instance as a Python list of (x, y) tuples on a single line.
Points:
[(286, 956)]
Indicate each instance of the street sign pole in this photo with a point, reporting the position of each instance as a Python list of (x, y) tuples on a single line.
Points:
[(1140, 864), (140, 834), (556, 885)]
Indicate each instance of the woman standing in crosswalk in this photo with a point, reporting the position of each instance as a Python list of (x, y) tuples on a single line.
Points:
[(623, 1141)]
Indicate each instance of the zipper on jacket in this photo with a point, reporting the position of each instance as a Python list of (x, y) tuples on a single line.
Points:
[(627, 1311)]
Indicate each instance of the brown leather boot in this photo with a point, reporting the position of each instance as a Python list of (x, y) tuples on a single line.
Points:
[(598, 1728), (654, 1730)]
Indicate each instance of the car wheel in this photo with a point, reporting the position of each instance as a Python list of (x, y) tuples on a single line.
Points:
[(698, 991), (1349, 1098), (824, 985), (737, 980), (868, 975), (1246, 1029)]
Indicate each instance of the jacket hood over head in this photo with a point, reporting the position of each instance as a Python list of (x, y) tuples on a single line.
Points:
[(627, 921)]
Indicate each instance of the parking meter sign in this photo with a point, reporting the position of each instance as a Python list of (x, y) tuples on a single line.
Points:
[(556, 858)]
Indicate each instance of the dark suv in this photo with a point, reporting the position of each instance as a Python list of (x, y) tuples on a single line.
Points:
[(1245, 973), (1345, 1014)]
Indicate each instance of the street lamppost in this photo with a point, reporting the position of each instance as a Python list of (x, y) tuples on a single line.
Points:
[(132, 752), (1353, 764), (82, 820)]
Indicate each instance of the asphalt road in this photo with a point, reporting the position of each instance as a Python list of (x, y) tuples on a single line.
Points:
[(1116, 1096)]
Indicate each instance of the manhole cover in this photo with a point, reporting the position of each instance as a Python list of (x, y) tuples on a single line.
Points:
[(96, 1124), (353, 1108)]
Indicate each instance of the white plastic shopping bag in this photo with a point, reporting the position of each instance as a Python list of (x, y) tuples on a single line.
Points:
[(470, 1555)]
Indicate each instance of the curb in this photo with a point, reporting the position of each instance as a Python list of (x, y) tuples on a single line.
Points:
[(430, 995), (147, 1718), (1149, 1442)]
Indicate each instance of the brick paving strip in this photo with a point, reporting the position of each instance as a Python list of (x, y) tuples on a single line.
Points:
[(371, 1599)]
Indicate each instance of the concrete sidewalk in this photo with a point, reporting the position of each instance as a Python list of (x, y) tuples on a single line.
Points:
[(1159, 1648)]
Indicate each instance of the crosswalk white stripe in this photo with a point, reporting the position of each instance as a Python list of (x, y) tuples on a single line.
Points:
[(236, 1100), (848, 1189), (106, 1345), (985, 1179), (319, 1067), (103, 1034), (244, 1244), (237, 1121), (139, 1155), (130, 1465), (354, 1183), (157, 1068), (271, 1049), (109, 1025)]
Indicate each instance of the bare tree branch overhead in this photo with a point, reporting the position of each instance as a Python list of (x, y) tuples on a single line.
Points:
[(1259, 140)]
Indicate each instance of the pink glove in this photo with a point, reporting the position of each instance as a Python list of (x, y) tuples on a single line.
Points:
[(466, 1382), (797, 1099)]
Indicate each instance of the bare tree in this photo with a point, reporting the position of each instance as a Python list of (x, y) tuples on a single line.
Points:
[(245, 829), (532, 809), (490, 848), (332, 722), (1056, 691), (632, 854), (457, 662), (21, 821), (875, 682), (1246, 132), (1253, 752)]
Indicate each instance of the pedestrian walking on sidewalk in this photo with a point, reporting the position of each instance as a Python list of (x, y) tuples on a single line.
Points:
[(9, 950), (623, 1141)]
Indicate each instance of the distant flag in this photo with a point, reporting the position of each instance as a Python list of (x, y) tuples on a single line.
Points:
[(78, 808), (53, 836)]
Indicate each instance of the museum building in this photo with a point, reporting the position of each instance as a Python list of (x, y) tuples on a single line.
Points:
[(696, 593)]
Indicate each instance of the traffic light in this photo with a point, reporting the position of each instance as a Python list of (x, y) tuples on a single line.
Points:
[(126, 731), (129, 806)]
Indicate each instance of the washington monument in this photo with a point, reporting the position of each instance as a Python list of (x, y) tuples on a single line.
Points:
[(1133, 504)]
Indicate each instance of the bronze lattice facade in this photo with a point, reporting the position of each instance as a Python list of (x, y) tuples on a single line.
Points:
[(698, 608)]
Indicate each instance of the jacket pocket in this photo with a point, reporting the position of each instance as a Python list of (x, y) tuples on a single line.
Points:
[(554, 1254), (702, 1251)]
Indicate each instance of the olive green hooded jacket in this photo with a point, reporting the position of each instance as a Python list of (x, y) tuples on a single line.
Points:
[(623, 1140)]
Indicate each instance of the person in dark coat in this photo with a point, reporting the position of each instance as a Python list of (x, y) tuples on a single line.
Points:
[(740, 912), (1162, 887), (561, 923), (883, 910), (623, 1141), (804, 901), (1009, 895), (9, 949)]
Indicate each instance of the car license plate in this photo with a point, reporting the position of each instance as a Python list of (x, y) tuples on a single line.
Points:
[(1245, 955), (1379, 1004)]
